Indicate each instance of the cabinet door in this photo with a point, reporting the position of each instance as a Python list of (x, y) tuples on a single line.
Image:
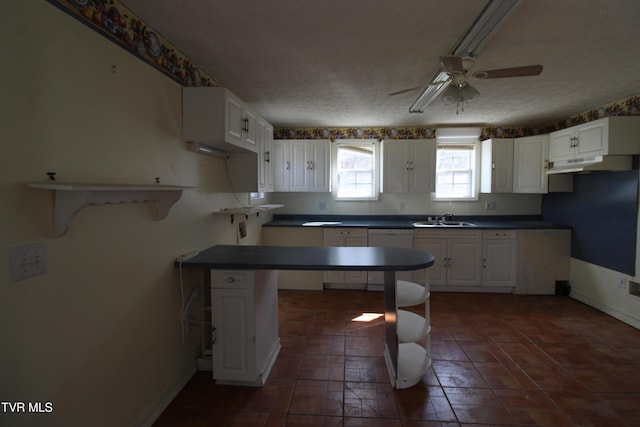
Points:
[(592, 138), (234, 130), (232, 323), (464, 266), (395, 167), (319, 159), (499, 262), (250, 127), (265, 146), (299, 174), (356, 276), (436, 274), (333, 238), (422, 167), (561, 145), (497, 157), (530, 164), (280, 165)]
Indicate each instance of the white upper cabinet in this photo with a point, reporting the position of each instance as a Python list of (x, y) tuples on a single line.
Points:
[(530, 163), (215, 116), (496, 169), (611, 135), (301, 165), (280, 165), (265, 148), (409, 166)]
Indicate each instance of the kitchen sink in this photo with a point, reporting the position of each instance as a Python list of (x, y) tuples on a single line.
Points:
[(443, 224)]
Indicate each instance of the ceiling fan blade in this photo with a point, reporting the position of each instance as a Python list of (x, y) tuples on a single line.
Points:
[(452, 64), (527, 70), (411, 89)]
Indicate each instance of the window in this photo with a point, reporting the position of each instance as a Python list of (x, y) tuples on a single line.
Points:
[(456, 171), (355, 170)]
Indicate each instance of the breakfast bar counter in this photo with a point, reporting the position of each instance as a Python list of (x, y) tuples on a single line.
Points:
[(244, 299)]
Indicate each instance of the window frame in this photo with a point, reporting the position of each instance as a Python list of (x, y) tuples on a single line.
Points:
[(475, 168), (335, 172)]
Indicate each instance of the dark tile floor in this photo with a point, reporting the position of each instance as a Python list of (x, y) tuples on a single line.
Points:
[(498, 360)]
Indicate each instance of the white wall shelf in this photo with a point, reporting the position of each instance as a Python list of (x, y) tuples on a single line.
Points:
[(248, 210), (70, 198)]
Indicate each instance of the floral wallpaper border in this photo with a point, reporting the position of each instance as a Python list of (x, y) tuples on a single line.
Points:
[(114, 21), (625, 107)]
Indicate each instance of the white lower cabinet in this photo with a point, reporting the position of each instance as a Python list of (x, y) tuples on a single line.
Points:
[(457, 257), (499, 258), (348, 237), (244, 311)]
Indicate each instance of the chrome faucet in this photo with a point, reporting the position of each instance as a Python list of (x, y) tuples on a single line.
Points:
[(448, 216)]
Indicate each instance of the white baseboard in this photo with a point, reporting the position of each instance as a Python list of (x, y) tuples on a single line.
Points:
[(613, 312), (157, 408)]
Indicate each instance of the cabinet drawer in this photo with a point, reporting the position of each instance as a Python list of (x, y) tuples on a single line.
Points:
[(345, 232), (231, 279), (447, 233), (500, 234)]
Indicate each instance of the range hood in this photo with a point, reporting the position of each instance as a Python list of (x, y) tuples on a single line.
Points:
[(591, 164)]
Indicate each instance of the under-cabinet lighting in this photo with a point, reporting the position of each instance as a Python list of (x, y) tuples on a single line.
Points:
[(198, 147)]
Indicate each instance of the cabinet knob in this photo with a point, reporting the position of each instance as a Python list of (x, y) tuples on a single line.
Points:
[(230, 279)]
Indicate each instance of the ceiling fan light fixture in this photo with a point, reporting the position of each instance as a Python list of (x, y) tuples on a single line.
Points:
[(469, 93), (458, 95), (450, 96)]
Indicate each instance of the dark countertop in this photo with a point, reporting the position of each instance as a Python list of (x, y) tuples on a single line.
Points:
[(520, 222), (309, 258)]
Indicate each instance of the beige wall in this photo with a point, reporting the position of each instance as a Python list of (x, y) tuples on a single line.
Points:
[(407, 204), (98, 335)]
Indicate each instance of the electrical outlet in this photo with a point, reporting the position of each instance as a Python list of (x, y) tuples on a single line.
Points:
[(489, 205), (28, 261), (622, 283), (403, 205), (322, 205)]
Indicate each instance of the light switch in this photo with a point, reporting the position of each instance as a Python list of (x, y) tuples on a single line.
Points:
[(28, 261)]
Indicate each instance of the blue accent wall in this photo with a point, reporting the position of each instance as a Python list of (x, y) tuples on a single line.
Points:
[(603, 212)]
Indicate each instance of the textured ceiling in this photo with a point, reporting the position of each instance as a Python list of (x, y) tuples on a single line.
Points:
[(321, 63)]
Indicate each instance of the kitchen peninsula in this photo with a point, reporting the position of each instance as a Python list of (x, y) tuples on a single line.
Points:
[(244, 300)]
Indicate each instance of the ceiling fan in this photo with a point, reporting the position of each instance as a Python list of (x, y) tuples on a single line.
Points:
[(451, 80)]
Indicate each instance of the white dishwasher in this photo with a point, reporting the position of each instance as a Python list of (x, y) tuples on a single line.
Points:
[(388, 238)]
